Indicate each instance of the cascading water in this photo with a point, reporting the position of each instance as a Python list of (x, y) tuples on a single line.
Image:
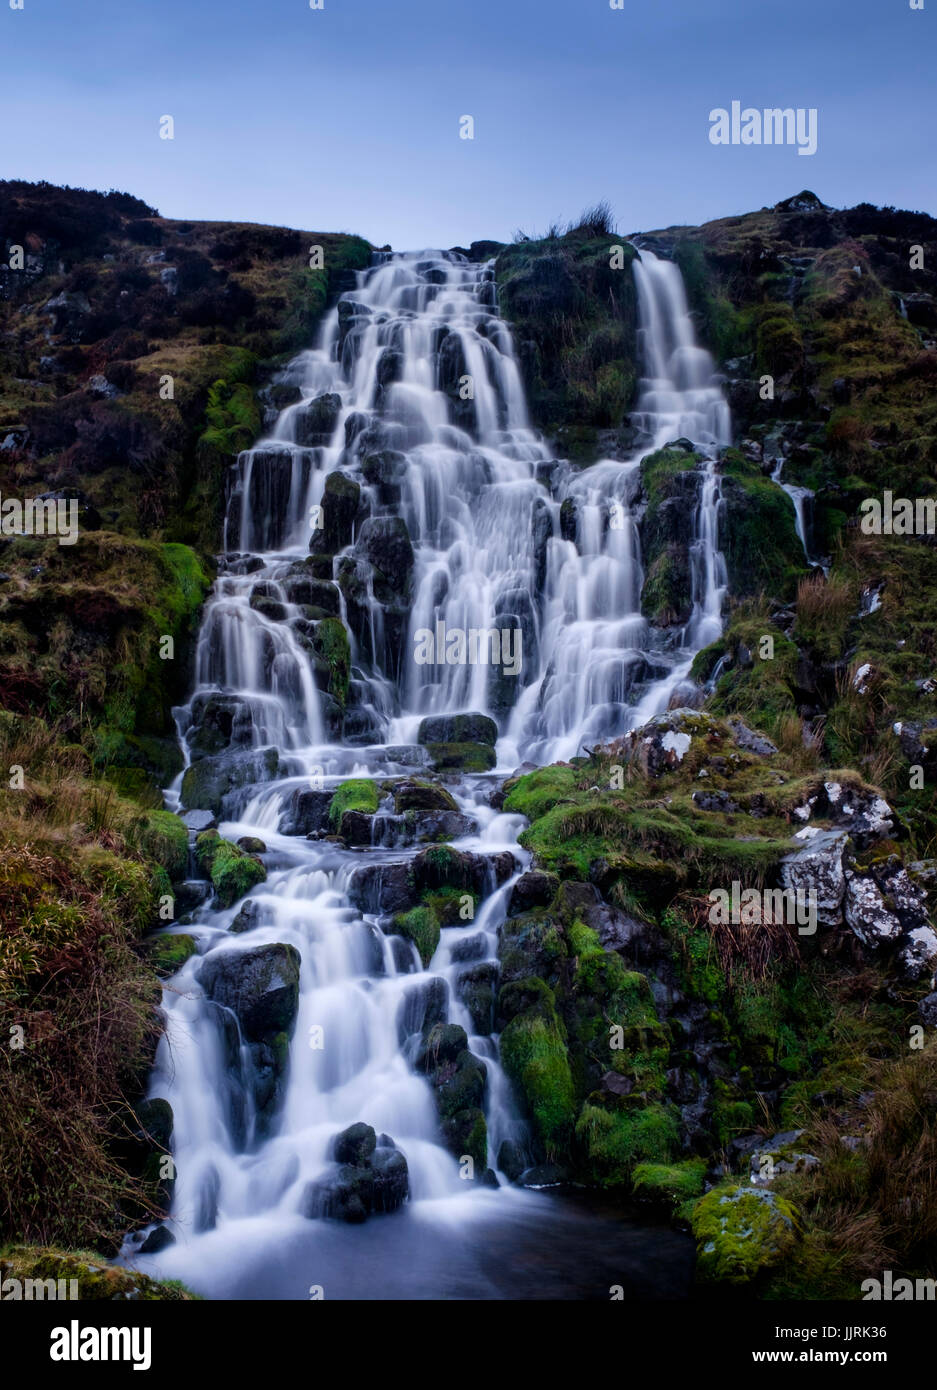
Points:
[(414, 393)]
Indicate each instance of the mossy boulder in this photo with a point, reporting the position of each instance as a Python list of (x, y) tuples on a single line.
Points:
[(414, 795), (357, 794), (458, 728), (233, 872), (207, 782), (421, 926), (742, 1231), (462, 757)]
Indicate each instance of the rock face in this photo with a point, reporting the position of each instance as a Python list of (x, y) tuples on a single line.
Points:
[(817, 869), (260, 987), (369, 1178)]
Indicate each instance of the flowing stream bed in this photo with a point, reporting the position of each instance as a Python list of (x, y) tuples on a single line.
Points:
[(459, 492)]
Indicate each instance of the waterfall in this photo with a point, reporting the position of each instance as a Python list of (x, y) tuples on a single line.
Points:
[(413, 393)]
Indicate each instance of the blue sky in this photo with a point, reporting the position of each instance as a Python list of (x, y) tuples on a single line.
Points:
[(347, 118)]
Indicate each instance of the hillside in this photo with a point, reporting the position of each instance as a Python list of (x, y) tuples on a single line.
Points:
[(138, 357)]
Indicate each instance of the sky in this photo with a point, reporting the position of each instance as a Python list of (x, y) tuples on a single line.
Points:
[(347, 118)]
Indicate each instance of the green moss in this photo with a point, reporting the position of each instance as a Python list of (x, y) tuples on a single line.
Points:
[(464, 757), (232, 418), (95, 1278), (740, 1232), (537, 792), (675, 1183), (757, 531), (164, 837), (534, 1056), (421, 926), (614, 1141), (232, 872), (331, 644), (168, 954), (666, 598), (357, 794)]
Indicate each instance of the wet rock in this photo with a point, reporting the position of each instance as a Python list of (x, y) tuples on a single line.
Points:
[(413, 795), (197, 821), (441, 866), (378, 1181), (383, 888), (356, 828), (443, 1043), (250, 844), (473, 947), (220, 722), (477, 987), (247, 917), (354, 1145), (385, 543), (160, 1238), (307, 812), (315, 423), (532, 889), (458, 728), (423, 1006), (511, 1160), (260, 986), (207, 783), (544, 1175), (341, 498)]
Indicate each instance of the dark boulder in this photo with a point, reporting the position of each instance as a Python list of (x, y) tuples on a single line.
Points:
[(458, 728), (260, 986)]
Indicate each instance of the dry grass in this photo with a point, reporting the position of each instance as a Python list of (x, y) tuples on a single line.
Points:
[(75, 995)]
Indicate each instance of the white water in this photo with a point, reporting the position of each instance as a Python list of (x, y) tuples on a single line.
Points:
[(489, 553)]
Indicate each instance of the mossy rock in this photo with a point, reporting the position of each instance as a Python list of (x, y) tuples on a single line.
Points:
[(330, 642), (613, 1142), (673, 1183), (232, 872), (462, 757), (533, 1053), (741, 1232), (357, 794), (421, 926), (169, 953), (94, 1278), (414, 795)]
